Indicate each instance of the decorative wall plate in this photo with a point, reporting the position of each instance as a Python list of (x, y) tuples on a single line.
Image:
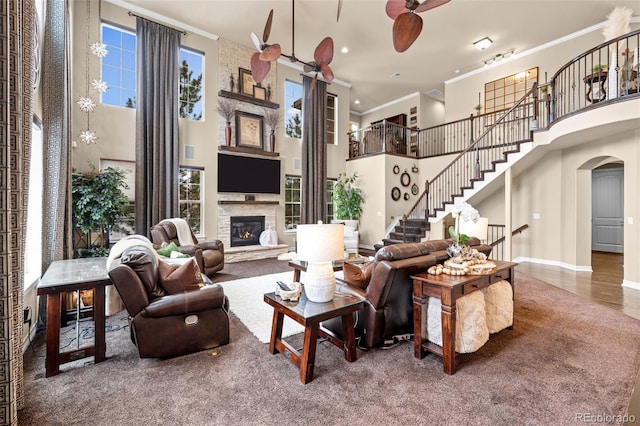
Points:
[(406, 195), (414, 189), (405, 179), (396, 169), (395, 193)]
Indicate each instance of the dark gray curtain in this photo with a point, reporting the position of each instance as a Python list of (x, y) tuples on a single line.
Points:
[(314, 150), (156, 124)]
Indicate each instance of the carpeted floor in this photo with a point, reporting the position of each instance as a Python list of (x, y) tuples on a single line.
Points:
[(566, 358)]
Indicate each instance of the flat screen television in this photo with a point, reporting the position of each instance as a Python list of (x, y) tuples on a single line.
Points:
[(249, 175)]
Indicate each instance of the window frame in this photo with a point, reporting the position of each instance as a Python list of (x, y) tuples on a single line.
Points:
[(290, 223), (332, 134), (33, 237), (191, 51), (199, 230), (289, 102), (120, 68)]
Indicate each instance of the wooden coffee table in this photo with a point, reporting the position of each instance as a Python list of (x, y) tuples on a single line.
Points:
[(448, 288), (310, 315)]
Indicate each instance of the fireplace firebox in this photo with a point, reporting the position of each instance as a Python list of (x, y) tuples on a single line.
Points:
[(246, 230)]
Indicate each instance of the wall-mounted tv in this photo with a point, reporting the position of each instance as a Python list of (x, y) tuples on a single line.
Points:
[(237, 173)]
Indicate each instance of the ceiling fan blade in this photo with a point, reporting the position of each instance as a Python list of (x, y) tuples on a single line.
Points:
[(256, 42), (259, 69), (324, 52), (267, 27), (327, 73), (339, 9), (430, 4), (406, 29), (395, 8), (271, 53), (310, 66)]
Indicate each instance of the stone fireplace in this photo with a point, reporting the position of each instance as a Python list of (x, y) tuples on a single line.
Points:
[(237, 208), (246, 230)]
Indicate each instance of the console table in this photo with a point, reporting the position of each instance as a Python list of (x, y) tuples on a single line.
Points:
[(448, 288), (64, 276)]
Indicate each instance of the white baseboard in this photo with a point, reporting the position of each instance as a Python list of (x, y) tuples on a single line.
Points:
[(631, 284), (576, 268)]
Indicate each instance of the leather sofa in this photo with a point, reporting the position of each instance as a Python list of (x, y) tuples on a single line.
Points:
[(388, 308), (167, 324), (208, 254)]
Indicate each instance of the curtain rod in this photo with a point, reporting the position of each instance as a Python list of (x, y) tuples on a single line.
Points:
[(130, 13)]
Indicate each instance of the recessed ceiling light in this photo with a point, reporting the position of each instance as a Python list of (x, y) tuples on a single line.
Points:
[(357, 102), (345, 49), (457, 71), (483, 43)]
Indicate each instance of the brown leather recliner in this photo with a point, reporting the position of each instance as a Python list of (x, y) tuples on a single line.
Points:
[(208, 254), (388, 307), (168, 325)]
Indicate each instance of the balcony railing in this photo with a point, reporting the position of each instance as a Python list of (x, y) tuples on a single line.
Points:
[(382, 137)]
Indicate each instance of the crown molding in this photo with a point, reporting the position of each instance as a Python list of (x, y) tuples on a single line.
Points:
[(161, 18)]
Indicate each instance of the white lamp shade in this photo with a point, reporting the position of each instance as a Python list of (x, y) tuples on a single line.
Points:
[(476, 229), (320, 242)]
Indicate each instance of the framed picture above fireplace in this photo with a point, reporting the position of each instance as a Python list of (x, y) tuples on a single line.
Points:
[(249, 130)]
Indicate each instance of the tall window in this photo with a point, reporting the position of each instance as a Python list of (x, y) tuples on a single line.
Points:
[(119, 72), (292, 201), (33, 242), (119, 66), (293, 112), (330, 208), (293, 115), (191, 71), (191, 197), (332, 118)]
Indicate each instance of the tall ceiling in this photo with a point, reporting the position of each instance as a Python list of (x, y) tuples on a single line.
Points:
[(376, 72)]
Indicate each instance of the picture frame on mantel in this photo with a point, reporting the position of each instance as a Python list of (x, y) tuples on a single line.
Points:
[(260, 92), (245, 82), (249, 130)]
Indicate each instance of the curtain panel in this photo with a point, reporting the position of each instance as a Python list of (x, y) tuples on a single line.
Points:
[(16, 88), (157, 152), (314, 150)]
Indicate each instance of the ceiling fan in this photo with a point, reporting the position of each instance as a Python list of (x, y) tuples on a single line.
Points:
[(261, 60), (407, 24)]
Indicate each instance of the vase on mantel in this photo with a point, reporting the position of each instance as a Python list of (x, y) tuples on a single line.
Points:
[(227, 134), (272, 141)]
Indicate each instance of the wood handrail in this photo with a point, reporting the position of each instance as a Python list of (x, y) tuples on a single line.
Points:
[(514, 232)]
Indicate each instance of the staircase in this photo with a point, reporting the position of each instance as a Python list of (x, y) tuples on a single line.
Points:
[(492, 150)]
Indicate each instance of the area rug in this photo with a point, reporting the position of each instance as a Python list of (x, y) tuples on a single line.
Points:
[(246, 302)]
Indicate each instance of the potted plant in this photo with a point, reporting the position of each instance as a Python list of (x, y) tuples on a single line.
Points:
[(227, 109), (98, 205), (347, 199), (272, 119)]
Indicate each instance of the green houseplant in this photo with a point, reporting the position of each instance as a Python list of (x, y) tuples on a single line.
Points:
[(98, 205), (347, 198)]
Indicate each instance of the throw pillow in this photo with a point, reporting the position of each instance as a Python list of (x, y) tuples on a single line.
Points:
[(178, 279), (356, 275), (167, 249)]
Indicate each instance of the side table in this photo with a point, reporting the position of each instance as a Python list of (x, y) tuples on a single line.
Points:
[(310, 315), (64, 276), (448, 288)]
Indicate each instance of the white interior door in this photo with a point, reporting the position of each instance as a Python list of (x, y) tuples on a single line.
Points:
[(607, 201)]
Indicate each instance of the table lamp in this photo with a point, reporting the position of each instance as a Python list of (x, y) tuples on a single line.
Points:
[(319, 245), (476, 229)]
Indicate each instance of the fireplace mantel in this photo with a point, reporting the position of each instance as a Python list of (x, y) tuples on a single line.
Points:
[(249, 202)]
